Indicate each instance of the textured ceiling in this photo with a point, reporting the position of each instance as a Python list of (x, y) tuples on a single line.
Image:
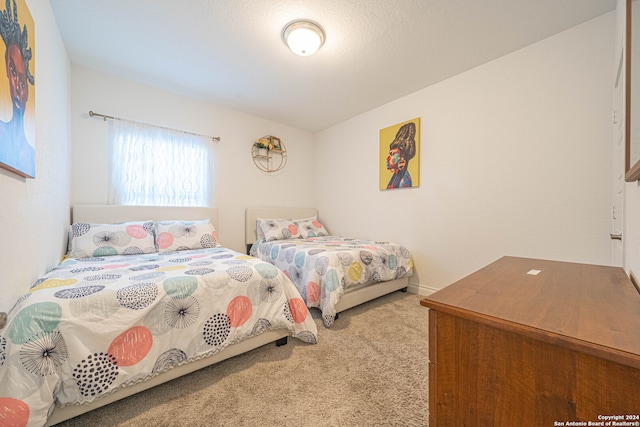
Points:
[(230, 52)]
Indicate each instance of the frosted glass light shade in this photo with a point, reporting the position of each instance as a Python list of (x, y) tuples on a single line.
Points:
[(304, 38)]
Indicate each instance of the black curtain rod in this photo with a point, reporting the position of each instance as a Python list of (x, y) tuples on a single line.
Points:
[(105, 117)]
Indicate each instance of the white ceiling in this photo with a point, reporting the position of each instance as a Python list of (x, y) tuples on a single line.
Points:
[(230, 52)]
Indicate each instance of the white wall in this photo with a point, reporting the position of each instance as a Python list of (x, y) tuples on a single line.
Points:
[(515, 160), (34, 213), (238, 183)]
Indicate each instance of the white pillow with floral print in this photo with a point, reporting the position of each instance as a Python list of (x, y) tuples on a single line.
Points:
[(185, 235), (126, 238), (279, 229), (259, 221), (310, 227)]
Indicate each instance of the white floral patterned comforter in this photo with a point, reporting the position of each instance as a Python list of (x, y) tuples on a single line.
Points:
[(94, 325), (323, 267)]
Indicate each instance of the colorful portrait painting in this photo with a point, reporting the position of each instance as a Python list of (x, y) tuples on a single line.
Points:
[(400, 155), (17, 90)]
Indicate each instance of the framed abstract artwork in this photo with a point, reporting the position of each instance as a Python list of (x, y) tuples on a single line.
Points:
[(17, 93), (400, 155)]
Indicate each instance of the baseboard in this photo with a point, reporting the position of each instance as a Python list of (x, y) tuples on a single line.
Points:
[(634, 280), (416, 288)]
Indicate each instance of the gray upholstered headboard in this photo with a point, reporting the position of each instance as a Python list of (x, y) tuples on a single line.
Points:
[(106, 214), (252, 214)]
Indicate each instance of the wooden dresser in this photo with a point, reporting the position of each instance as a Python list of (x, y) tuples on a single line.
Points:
[(526, 342)]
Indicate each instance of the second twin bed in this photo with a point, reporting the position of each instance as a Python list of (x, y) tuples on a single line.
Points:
[(332, 273)]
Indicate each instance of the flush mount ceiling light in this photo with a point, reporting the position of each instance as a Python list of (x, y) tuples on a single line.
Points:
[(303, 37)]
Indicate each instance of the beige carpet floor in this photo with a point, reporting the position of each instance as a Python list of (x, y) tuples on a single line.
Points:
[(369, 369)]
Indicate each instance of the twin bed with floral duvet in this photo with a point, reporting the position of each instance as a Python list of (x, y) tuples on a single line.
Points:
[(145, 295), (332, 273)]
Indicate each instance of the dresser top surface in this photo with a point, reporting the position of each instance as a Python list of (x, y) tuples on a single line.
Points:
[(591, 305)]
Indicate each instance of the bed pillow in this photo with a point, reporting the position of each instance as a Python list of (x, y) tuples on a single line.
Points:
[(310, 227), (183, 235), (125, 238), (260, 221), (311, 218), (279, 229)]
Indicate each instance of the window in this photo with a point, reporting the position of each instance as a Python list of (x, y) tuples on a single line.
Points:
[(156, 166)]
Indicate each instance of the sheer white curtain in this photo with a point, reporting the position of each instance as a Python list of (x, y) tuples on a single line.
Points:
[(156, 166)]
